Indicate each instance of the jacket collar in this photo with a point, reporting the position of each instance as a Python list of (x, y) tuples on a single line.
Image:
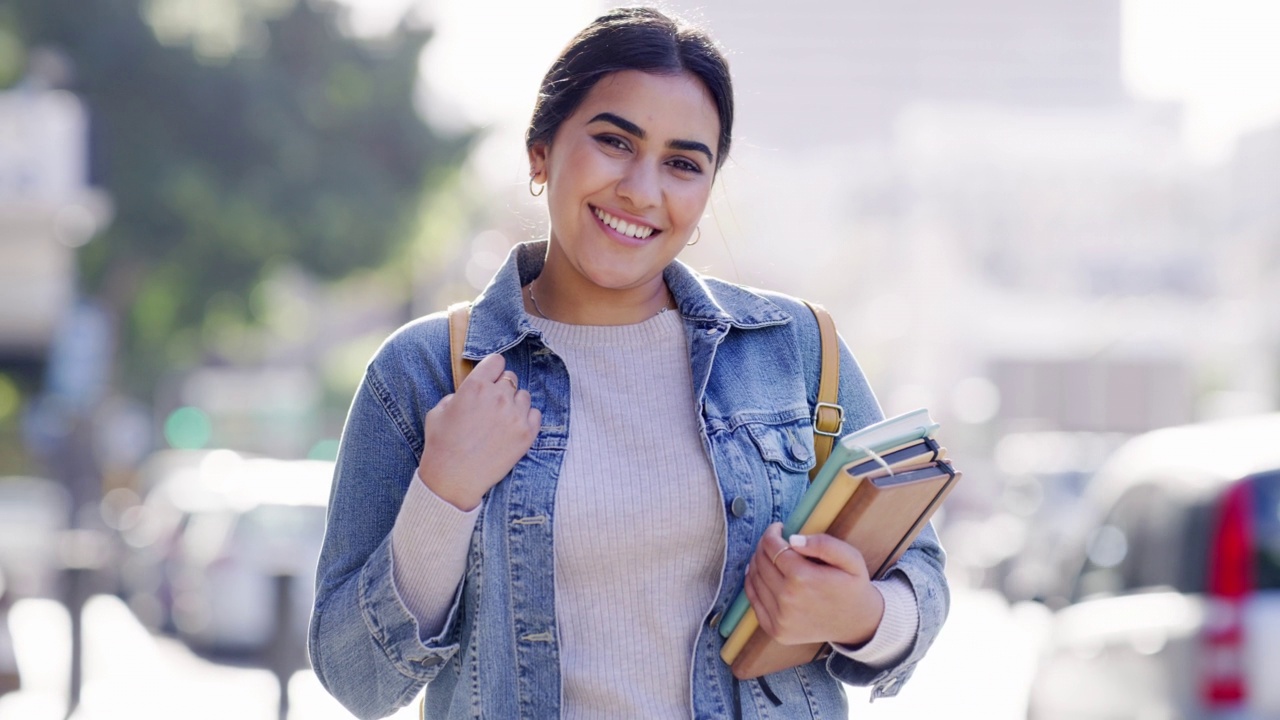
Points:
[(498, 320)]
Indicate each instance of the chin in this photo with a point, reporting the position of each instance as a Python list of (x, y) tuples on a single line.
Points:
[(617, 280)]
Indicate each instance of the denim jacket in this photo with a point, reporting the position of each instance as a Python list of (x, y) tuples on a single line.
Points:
[(755, 363)]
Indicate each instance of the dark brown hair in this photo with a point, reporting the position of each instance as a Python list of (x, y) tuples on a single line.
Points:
[(631, 38)]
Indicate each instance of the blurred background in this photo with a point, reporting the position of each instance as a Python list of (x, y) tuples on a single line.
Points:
[(1055, 223)]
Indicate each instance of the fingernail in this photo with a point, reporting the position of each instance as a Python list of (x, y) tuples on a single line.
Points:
[(798, 540)]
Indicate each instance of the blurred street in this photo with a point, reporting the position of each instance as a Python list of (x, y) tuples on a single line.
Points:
[(982, 660), (130, 673), (1053, 225)]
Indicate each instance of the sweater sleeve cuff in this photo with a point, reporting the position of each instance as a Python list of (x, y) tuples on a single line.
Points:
[(897, 631), (429, 541)]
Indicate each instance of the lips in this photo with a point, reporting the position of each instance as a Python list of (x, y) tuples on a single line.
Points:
[(632, 230)]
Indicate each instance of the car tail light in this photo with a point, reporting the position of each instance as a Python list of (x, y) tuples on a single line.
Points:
[(1230, 581)]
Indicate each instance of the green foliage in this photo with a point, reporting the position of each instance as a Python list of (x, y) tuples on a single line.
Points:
[(302, 145), (11, 50)]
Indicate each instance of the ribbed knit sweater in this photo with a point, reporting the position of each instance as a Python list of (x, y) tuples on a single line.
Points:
[(638, 534)]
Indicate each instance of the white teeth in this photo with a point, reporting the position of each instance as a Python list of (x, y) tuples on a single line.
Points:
[(626, 228)]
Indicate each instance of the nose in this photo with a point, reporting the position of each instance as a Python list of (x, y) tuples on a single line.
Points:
[(640, 185)]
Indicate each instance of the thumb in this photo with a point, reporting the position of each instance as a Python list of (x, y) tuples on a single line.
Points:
[(830, 550)]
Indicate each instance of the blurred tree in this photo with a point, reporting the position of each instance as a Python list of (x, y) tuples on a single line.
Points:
[(233, 136)]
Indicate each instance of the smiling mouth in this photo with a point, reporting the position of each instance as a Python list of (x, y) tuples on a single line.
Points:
[(640, 232)]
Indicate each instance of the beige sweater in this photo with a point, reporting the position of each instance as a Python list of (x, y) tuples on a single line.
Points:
[(642, 540)]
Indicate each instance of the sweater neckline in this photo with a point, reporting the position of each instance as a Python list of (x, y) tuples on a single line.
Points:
[(661, 328)]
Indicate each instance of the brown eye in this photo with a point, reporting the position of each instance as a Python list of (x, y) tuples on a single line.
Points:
[(613, 141), (685, 165)]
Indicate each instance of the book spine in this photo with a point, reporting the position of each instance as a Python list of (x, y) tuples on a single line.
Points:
[(747, 625)]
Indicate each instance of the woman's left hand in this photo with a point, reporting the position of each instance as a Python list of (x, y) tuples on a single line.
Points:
[(814, 589)]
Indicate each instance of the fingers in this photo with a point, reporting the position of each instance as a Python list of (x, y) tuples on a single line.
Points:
[(773, 548), (789, 557), (763, 599), (489, 369), (509, 377), (765, 581), (830, 550)]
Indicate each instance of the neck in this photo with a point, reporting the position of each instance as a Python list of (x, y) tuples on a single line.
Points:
[(547, 299)]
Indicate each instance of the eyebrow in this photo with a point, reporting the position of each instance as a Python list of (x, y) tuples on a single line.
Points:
[(634, 129)]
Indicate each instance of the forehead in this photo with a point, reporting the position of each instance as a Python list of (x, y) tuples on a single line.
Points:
[(664, 106)]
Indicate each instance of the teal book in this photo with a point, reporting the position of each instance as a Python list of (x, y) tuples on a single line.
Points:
[(855, 447)]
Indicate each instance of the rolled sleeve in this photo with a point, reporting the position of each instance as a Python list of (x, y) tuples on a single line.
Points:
[(897, 631), (922, 567), (429, 543)]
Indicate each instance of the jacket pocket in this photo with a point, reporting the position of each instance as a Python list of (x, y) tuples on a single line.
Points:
[(788, 445), (787, 451)]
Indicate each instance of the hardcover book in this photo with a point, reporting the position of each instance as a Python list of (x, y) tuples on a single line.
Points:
[(877, 491)]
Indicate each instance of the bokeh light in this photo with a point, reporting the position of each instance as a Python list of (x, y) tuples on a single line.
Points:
[(188, 428), (326, 449)]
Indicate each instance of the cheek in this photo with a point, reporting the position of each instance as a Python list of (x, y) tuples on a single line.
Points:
[(577, 177), (688, 204)]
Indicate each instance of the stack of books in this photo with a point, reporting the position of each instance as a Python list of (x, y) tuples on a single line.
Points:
[(876, 491)]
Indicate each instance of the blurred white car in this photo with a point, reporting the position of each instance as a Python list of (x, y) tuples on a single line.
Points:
[(1174, 612), (231, 555), (33, 515)]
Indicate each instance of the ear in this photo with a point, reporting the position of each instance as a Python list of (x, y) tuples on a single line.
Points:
[(538, 163)]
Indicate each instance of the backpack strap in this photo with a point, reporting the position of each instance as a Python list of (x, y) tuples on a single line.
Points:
[(459, 319), (828, 415)]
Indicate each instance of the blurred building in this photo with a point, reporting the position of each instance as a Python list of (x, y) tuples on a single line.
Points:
[(822, 73), (47, 209), (1250, 258)]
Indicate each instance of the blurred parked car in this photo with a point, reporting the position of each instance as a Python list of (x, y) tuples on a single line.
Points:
[(1174, 610), (9, 680), (33, 514), (232, 555), (175, 484), (1046, 475)]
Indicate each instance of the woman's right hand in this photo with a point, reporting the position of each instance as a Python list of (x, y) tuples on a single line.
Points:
[(474, 436)]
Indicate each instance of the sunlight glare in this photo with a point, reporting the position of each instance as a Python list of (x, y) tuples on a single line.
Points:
[(1221, 58)]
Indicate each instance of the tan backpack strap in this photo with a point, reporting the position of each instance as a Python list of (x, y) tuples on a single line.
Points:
[(459, 318), (828, 415)]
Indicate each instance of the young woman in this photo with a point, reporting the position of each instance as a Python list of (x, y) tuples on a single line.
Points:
[(560, 535)]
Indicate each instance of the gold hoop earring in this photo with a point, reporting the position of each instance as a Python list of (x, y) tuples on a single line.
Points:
[(697, 236), (541, 187)]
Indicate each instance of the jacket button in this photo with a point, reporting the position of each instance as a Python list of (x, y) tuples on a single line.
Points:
[(715, 621), (738, 507), (430, 662), (799, 450)]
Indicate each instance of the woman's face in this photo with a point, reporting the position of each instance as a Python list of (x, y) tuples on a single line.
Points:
[(628, 176)]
